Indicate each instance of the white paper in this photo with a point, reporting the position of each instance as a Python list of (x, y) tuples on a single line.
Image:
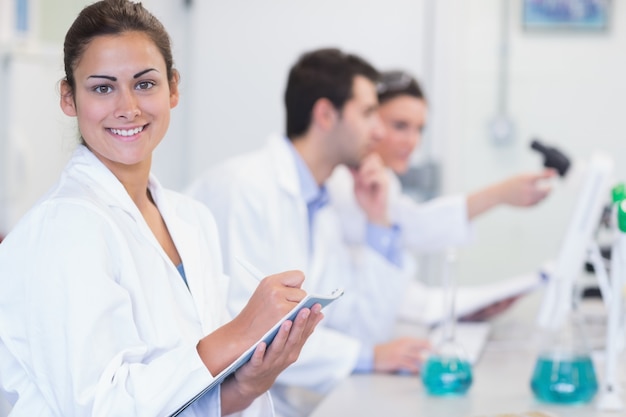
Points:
[(426, 305)]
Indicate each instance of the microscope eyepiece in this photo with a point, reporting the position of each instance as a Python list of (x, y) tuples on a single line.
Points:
[(552, 157)]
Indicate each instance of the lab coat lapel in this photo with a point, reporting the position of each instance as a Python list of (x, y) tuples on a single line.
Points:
[(187, 241), (288, 181), (102, 181), (112, 191), (320, 248), (284, 167)]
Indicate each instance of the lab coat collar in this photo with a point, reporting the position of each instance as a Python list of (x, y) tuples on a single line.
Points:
[(188, 243), (100, 179), (111, 190), (315, 196), (284, 165)]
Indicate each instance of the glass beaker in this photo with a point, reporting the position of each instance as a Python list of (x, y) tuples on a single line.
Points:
[(447, 370), (564, 372)]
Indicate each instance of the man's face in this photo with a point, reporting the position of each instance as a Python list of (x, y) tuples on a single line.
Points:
[(359, 126)]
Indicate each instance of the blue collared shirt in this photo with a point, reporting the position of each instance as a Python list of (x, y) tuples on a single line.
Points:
[(316, 197), (181, 271)]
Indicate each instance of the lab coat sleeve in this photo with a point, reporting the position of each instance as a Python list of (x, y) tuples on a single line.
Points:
[(210, 405), (89, 360), (434, 225), (373, 286), (426, 227)]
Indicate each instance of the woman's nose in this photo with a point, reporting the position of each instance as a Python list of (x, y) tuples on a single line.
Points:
[(127, 106)]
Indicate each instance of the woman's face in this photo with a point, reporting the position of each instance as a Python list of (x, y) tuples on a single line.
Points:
[(122, 98), (404, 118)]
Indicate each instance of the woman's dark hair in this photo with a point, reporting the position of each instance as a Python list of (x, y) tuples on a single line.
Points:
[(323, 73), (113, 17), (398, 83)]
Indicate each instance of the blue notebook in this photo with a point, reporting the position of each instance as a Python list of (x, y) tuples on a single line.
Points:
[(307, 302)]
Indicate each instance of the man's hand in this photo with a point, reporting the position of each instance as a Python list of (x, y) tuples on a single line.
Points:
[(404, 354), (371, 188)]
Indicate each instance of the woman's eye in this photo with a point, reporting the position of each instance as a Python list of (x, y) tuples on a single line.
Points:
[(103, 89), (400, 126), (145, 85)]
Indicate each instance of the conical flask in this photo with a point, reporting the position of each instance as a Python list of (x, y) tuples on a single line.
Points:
[(447, 370), (564, 372)]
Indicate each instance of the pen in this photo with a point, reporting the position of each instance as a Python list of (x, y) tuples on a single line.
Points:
[(251, 269)]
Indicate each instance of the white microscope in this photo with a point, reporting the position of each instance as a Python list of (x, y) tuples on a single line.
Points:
[(578, 247)]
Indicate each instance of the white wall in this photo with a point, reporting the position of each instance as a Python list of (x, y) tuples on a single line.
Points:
[(243, 50), (566, 88), (35, 137)]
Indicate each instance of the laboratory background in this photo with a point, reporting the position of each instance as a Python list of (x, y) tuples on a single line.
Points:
[(493, 81)]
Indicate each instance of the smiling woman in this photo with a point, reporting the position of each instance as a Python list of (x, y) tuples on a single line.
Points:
[(112, 287), (125, 98)]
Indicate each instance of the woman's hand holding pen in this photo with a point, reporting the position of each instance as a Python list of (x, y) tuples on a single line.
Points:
[(274, 297)]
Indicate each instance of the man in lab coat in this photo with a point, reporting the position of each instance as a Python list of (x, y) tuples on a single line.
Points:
[(271, 210)]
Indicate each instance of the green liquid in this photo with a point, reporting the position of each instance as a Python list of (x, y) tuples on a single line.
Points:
[(564, 380), (446, 376)]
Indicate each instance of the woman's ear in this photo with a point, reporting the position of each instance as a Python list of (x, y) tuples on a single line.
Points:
[(174, 92), (68, 104)]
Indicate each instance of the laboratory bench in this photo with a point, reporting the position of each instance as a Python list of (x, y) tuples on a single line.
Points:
[(501, 382)]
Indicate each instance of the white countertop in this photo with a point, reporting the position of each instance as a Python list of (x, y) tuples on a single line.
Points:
[(501, 385)]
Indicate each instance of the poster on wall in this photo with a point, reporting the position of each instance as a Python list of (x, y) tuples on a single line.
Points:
[(586, 15)]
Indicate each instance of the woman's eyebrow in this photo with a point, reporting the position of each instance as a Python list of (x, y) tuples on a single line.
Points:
[(111, 78), (139, 74), (108, 77)]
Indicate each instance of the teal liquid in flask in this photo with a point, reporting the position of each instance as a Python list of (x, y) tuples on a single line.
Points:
[(564, 372), (447, 371), (564, 378)]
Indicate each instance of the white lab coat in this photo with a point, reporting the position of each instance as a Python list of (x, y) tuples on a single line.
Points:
[(262, 217), (429, 227), (95, 320)]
